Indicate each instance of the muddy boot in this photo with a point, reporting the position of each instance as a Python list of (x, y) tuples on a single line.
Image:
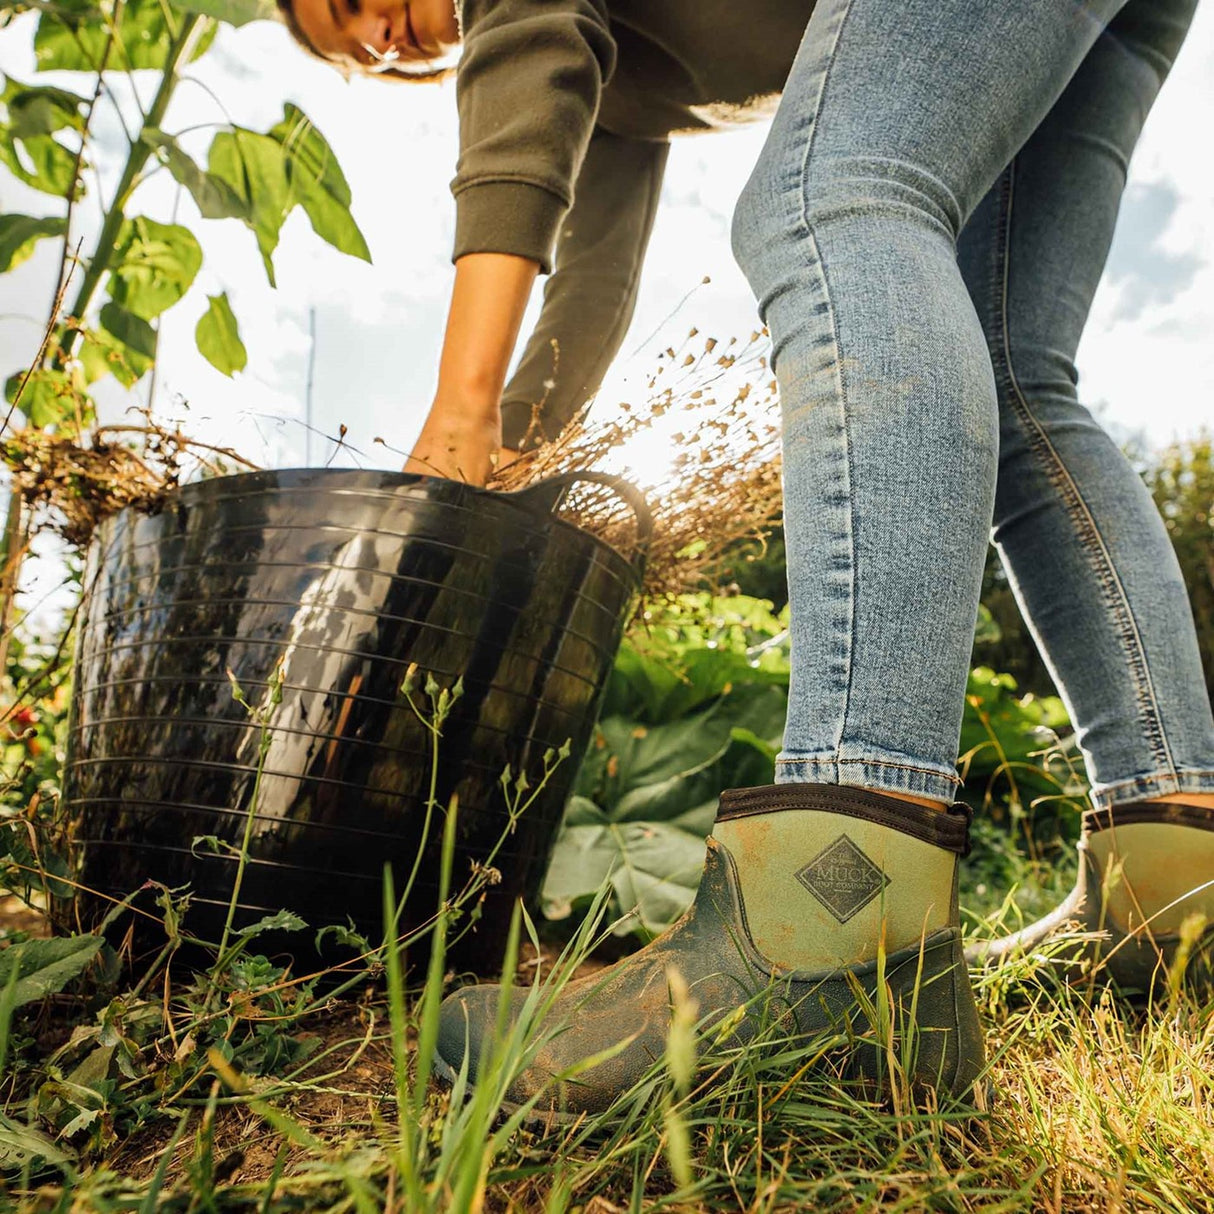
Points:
[(1144, 869), (801, 883)]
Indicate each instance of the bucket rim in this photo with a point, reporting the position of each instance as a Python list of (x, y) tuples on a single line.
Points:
[(382, 480)]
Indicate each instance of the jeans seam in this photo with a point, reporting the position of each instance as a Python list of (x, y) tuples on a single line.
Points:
[(813, 134), (1132, 784), (927, 771), (1086, 530), (816, 254)]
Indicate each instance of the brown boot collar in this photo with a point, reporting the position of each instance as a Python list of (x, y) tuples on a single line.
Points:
[(949, 829), (1172, 812)]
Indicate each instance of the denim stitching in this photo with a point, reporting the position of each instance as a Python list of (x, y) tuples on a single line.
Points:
[(927, 771), (816, 260), (1086, 531), (813, 134)]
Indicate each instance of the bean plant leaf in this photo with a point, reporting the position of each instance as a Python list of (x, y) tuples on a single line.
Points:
[(101, 354), (218, 337), (154, 265), (214, 197), (76, 41), (255, 167), (45, 967), (49, 397), (135, 333), (317, 182), (40, 162), (20, 233), (234, 12), (40, 109)]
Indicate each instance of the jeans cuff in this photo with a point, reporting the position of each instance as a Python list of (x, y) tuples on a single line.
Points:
[(892, 773), (1143, 788)]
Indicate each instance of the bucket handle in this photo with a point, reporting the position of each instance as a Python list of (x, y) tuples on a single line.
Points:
[(552, 491)]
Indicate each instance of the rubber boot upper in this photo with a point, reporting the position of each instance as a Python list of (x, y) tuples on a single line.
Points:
[(740, 992)]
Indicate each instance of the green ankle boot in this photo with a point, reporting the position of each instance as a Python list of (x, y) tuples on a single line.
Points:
[(1144, 869), (801, 883)]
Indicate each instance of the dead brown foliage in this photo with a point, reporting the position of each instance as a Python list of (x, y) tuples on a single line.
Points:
[(77, 484), (723, 487)]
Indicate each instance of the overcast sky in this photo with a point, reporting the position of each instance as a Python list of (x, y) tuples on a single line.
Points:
[(1147, 361)]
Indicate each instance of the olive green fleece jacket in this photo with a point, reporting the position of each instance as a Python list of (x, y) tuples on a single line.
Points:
[(566, 108)]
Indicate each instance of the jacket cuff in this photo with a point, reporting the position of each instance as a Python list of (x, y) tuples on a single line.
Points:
[(508, 217)]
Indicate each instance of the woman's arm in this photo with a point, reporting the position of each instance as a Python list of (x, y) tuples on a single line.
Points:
[(462, 436), (590, 297)]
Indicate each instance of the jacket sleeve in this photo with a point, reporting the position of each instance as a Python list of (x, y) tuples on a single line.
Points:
[(527, 91), (590, 298)]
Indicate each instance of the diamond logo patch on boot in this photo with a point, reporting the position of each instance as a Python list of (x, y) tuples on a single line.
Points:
[(843, 878)]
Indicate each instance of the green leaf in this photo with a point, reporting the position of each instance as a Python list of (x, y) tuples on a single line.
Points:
[(76, 41), (101, 354), (50, 396), (133, 332), (45, 967), (42, 163), (653, 868), (41, 109), (22, 1145), (234, 12), (218, 337), (318, 183), (214, 197), (684, 754), (309, 155), (19, 234), (283, 920), (154, 265), (255, 167)]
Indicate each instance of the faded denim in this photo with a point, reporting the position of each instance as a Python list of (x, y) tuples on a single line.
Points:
[(924, 232)]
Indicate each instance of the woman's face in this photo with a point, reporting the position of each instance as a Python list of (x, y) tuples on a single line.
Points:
[(399, 32)]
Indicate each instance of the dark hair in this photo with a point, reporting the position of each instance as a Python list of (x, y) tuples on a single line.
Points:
[(291, 21)]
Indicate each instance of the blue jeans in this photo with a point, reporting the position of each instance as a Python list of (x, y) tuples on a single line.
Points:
[(924, 232)]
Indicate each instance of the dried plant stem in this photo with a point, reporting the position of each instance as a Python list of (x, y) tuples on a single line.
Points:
[(724, 484)]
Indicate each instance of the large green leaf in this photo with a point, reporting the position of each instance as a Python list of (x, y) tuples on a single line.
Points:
[(28, 148), (76, 42), (627, 756), (317, 182), (19, 234), (653, 867), (255, 167), (309, 154), (214, 197), (154, 265), (218, 337), (45, 967)]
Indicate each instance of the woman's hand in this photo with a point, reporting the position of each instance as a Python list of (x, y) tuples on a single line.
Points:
[(462, 437), (462, 445)]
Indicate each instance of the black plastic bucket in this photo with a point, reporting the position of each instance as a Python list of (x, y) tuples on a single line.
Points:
[(340, 580)]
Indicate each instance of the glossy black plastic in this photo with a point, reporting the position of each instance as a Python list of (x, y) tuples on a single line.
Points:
[(341, 579)]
